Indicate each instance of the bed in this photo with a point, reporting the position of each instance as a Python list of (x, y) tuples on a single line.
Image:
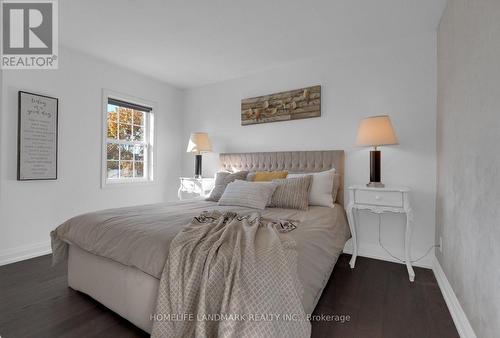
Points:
[(116, 256)]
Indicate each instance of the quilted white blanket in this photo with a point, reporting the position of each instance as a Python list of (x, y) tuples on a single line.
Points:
[(229, 275)]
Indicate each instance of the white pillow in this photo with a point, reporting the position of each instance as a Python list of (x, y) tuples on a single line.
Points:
[(248, 194), (321, 187)]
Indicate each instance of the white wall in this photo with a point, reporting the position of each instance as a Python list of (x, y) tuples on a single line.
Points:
[(30, 210), (468, 133), (398, 78)]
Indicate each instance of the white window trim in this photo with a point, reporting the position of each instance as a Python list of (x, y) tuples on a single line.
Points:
[(152, 151)]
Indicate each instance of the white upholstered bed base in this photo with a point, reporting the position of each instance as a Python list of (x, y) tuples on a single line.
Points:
[(126, 290), (132, 293)]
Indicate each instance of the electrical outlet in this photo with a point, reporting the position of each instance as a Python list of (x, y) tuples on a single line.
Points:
[(440, 244)]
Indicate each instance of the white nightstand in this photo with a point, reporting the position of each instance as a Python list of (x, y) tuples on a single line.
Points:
[(194, 188), (380, 200)]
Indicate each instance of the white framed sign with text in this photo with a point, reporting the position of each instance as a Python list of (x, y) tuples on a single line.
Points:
[(37, 137)]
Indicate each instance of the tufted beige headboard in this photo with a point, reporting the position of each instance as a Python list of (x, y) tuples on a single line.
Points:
[(293, 161)]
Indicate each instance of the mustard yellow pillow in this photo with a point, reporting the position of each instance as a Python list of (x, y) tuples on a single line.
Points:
[(260, 176)]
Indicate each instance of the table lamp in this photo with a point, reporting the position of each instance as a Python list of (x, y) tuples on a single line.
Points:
[(376, 131), (198, 143)]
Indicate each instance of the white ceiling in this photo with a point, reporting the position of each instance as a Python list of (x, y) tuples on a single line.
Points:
[(192, 43)]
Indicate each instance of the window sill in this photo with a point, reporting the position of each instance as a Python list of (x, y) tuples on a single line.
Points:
[(124, 184)]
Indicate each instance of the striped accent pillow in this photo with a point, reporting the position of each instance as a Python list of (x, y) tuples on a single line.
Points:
[(323, 189), (292, 193), (222, 179), (248, 194)]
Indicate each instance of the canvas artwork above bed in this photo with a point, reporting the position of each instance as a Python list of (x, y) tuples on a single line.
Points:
[(295, 104)]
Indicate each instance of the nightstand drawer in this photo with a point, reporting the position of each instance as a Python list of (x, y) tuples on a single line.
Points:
[(384, 198)]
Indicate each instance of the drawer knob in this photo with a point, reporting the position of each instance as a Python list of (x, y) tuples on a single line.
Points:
[(378, 198)]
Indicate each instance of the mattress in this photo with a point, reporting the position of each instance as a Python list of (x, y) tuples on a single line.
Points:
[(117, 256)]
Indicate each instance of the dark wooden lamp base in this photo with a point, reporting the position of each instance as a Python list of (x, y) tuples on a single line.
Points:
[(197, 166), (375, 170)]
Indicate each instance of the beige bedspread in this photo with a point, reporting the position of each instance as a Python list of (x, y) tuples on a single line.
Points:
[(233, 276), (140, 237)]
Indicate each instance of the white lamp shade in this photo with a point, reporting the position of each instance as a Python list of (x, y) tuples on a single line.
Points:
[(199, 143), (376, 131)]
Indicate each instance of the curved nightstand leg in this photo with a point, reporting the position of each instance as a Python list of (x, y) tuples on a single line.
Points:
[(179, 193), (352, 227), (409, 219)]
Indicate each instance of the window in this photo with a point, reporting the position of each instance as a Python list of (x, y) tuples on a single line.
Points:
[(128, 135)]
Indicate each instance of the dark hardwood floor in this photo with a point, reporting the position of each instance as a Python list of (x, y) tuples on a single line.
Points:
[(35, 301)]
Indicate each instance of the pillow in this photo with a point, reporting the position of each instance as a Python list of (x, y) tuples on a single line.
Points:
[(322, 191), (222, 179), (260, 176), (248, 194), (336, 186), (292, 193)]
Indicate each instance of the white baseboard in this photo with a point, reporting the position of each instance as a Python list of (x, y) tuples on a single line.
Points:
[(24, 252), (457, 313), (376, 252)]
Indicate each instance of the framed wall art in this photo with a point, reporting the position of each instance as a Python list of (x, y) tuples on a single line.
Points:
[(37, 137), (285, 106)]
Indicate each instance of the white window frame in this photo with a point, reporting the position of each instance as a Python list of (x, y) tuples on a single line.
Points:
[(150, 135)]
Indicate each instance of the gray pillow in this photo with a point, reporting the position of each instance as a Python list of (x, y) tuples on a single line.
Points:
[(251, 176), (248, 194), (222, 179), (292, 193)]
